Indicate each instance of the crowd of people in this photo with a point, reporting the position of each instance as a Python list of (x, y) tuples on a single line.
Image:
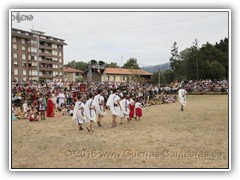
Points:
[(198, 86), (35, 101)]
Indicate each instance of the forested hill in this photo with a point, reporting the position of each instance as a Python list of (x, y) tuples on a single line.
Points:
[(161, 67)]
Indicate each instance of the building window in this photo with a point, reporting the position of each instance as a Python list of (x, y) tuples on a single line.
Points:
[(23, 56), (24, 72), (24, 78), (34, 64), (114, 78), (15, 63), (23, 41), (24, 64), (14, 39), (60, 53), (77, 74), (14, 46), (33, 41), (34, 73), (124, 78), (107, 78), (60, 60), (15, 55), (55, 59), (23, 48), (33, 49), (54, 53), (54, 46), (15, 71)]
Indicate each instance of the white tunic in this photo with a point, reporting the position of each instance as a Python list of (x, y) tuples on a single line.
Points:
[(112, 103), (182, 96), (78, 112), (89, 113), (98, 102), (125, 107), (61, 97)]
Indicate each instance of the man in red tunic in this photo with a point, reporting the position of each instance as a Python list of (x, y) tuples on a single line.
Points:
[(50, 107)]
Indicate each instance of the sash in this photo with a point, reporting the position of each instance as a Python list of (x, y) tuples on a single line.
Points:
[(79, 109), (113, 101), (99, 102), (90, 107)]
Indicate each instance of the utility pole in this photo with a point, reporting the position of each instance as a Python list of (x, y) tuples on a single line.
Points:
[(159, 78)]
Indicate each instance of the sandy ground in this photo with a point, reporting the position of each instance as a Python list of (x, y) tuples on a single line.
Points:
[(164, 138)]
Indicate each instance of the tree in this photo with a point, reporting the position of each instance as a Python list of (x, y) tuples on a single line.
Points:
[(131, 64), (214, 70), (78, 65), (174, 59), (112, 65)]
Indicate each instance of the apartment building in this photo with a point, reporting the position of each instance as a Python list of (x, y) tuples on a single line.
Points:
[(36, 56)]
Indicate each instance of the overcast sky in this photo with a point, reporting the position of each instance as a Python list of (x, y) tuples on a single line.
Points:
[(147, 36)]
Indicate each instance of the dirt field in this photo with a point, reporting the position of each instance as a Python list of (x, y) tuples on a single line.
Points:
[(164, 138)]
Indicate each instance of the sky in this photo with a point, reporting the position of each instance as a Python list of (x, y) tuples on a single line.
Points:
[(118, 36)]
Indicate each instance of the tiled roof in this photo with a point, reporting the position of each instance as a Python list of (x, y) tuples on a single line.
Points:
[(127, 71), (71, 70)]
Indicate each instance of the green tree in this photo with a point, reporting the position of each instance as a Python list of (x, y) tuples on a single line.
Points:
[(112, 65), (78, 65), (131, 64), (174, 58), (214, 70)]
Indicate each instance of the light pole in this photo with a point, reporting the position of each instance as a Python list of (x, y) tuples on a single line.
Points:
[(159, 79)]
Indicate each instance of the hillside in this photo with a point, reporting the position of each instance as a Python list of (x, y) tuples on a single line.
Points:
[(161, 67)]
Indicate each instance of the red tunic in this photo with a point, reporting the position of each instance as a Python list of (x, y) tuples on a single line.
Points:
[(50, 108), (139, 112), (131, 113)]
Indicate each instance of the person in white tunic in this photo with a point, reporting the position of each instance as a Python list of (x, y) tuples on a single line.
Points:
[(99, 106), (78, 112), (124, 103), (61, 97), (182, 97), (89, 112), (113, 103)]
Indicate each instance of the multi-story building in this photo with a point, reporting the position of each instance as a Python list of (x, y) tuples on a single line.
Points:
[(36, 56)]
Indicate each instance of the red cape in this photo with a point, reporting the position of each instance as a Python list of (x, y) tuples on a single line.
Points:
[(50, 108)]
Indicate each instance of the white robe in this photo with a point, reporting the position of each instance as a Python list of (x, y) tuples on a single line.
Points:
[(77, 113), (125, 107), (98, 99), (90, 114), (182, 96), (112, 103), (61, 97)]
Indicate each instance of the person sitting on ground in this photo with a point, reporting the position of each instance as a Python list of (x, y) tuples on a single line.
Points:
[(33, 114), (20, 114)]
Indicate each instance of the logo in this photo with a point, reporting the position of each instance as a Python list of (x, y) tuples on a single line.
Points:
[(22, 17)]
